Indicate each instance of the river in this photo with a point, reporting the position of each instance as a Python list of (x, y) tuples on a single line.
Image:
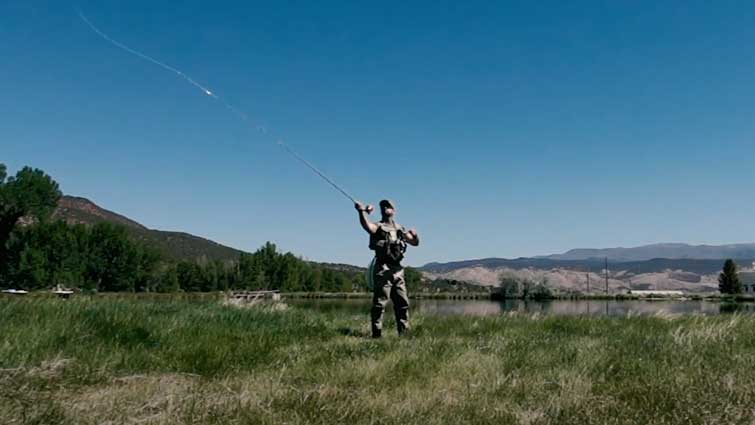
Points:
[(554, 307)]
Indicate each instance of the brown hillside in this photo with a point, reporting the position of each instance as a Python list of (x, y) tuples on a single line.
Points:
[(174, 245)]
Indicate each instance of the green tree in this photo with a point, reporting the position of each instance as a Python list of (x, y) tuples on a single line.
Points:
[(116, 262), (413, 279), (328, 280), (342, 283), (31, 270), (45, 254), (100, 257), (30, 193), (509, 287), (266, 268), (145, 262), (313, 279), (223, 273), (169, 280), (728, 280), (359, 282), (540, 291), (253, 271), (526, 287), (189, 276)]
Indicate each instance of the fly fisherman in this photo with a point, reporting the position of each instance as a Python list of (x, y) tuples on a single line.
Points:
[(388, 239)]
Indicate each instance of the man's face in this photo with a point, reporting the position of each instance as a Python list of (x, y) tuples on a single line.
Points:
[(388, 211)]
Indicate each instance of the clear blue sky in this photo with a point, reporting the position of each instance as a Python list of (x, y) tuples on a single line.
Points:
[(500, 128)]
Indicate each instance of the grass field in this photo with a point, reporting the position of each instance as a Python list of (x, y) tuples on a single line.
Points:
[(120, 360)]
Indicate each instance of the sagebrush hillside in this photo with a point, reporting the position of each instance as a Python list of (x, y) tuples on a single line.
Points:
[(174, 245)]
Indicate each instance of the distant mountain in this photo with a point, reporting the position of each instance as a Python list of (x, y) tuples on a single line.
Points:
[(661, 266), (662, 250), (174, 245), (655, 265)]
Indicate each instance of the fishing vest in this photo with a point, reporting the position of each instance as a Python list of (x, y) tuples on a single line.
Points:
[(389, 243)]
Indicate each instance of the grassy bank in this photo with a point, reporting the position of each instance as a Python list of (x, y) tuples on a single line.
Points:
[(116, 360)]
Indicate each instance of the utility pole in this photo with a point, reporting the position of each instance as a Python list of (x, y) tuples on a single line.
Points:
[(606, 275), (588, 281)]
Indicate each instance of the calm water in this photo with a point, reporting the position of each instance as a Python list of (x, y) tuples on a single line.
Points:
[(556, 307)]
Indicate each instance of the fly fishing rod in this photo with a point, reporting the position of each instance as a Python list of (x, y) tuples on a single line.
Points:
[(316, 170), (239, 113)]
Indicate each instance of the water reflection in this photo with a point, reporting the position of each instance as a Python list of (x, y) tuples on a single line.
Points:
[(736, 308), (555, 307)]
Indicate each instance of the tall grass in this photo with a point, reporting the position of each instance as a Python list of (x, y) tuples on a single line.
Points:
[(171, 361)]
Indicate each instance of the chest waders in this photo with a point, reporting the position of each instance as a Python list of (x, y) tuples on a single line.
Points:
[(370, 275), (385, 276), (389, 244)]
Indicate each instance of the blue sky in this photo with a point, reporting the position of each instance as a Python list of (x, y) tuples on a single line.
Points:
[(500, 128)]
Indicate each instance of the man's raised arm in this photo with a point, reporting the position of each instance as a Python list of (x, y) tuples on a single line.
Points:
[(367, 225)]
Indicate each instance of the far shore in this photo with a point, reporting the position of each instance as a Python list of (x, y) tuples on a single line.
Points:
[(496, 297), (471, 295)]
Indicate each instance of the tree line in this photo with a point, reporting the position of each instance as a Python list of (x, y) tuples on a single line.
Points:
[(39, 254), (527, 289), (103, 257)]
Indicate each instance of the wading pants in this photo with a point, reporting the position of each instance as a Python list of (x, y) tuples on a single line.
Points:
[(389, 285)]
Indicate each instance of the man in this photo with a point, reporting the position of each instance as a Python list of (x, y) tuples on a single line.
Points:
[(388, 239)]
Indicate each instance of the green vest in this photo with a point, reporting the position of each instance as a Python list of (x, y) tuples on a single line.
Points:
[(389, 243)]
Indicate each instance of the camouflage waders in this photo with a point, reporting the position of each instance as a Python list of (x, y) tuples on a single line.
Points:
[(385, 275), (389, 284)]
